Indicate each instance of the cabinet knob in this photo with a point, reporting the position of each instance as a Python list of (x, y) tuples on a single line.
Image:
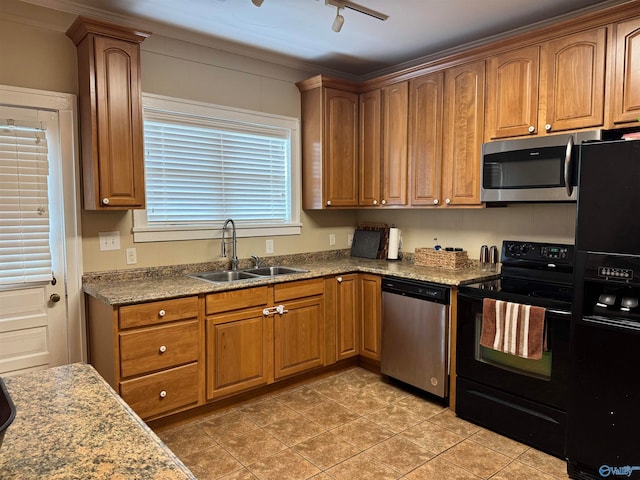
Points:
[(547, 127), (105, 201), (339, 279), (447, 201), (375, 202), (162, 313), (328, 203), (435, 201), (163, 394), (532, 129), (383, 202), (163, 348)]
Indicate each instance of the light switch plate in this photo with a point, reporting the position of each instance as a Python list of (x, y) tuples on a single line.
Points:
[(109, 241), (132, 257)]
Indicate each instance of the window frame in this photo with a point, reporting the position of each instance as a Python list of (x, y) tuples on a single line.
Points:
[(144, 232)]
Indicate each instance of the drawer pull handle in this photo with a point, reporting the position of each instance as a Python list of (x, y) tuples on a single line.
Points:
[(163, 394), (162, 313), (163, 348)]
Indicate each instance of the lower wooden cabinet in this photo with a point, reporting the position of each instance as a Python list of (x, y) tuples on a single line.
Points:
[(371, 316), (347, 314)]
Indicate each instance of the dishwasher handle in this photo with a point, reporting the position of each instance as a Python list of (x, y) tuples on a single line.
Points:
[(431, 292)]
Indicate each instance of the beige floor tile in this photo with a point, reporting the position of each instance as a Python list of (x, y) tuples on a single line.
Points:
[(385, 392), (439, 469), (187, 439), (422, 407), (326, 450), (432, 437), (399, 453), (321, 476), (362, 467), (284, 465), (475, 458), (541, 461), (447, 419), (294, 430), (395, 418), (519, 471), (211, 464), (362, 433), (222, 427), (252, 446), (266, 411), (335, 387), (359, 377), (497, 442), (361, 401), (243, 474), (331, 414), (302, 399)]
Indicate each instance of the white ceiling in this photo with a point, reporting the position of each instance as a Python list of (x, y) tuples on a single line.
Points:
[(298, 32)]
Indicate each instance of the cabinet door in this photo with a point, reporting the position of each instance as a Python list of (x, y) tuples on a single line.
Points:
[(463, 133), (626, 97), (425, 139), (120, 157), (512, 93), (237, 352), (348, 314), (370, 315), (395, 115), (299, 336), (370, 148), (340, 148), (575, 76)]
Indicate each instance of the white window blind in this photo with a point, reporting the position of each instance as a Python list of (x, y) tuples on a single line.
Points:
[(25, 254), (203, 170)]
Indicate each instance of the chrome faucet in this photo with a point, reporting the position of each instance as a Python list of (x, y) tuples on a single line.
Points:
[(223, 247), (256, 261)]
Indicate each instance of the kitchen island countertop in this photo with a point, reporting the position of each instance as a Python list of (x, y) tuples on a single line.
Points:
[(70, 424), (128, 290)]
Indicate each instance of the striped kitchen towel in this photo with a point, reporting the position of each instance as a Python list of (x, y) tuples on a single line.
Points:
[(513, 328)]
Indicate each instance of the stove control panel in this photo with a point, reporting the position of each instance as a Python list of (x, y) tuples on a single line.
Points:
[(536, 252)]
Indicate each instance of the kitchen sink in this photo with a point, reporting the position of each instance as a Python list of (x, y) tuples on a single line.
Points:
[(272, 271), (219, 276)]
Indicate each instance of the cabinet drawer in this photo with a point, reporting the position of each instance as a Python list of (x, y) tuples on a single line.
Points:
[(162, 392), (153, 313), (156, 348), (299, 289), (236, 299)]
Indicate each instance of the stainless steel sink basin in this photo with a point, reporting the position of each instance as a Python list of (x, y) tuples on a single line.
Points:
[(249, 273), (223, 276), (271, 271)]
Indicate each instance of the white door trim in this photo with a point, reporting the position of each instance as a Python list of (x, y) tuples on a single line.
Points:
[(66, 106)]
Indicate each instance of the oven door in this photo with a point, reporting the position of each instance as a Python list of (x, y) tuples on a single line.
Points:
[(543, 381)]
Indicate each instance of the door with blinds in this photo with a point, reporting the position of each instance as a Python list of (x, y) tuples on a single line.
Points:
[(33, 307)]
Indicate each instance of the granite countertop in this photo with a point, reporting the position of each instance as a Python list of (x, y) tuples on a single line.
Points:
[(136, 287), (70, 424)]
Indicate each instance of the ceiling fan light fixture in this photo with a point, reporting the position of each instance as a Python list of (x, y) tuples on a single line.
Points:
[(257, 3), (338, 21)]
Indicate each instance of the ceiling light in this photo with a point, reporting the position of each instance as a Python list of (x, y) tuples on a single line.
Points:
[(257, 3), (338, 22), (357, 8)]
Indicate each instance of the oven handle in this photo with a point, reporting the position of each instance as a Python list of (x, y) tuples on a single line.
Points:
[(480, 296)]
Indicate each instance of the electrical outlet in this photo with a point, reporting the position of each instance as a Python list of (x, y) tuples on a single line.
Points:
[(332, 239), (109, 241), (132, 257), (268, 246), (349, 239)]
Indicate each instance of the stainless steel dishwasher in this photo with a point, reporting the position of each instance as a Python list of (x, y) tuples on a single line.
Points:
[(415, 333)]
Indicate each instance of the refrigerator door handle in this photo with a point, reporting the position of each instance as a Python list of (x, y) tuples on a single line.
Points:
[(567, 166)]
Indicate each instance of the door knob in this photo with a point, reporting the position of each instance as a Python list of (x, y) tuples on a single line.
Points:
[(54, 297)]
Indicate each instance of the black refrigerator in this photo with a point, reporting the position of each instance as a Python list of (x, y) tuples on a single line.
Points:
[(603, 431)]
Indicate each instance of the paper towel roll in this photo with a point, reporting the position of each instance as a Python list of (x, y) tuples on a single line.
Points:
[(394, 243)]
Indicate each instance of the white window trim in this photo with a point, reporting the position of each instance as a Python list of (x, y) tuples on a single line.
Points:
[(143, 232)]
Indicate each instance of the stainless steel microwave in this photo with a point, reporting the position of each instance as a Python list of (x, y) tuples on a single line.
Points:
[(534, 169)]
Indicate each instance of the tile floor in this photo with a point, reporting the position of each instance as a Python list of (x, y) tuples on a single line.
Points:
[(349, 426)]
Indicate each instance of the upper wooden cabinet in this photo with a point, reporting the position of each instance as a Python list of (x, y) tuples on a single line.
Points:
[(383, 146), (329, 144), (425, 139), (110, 114), (463, 133), (626, 89), (546, 88)]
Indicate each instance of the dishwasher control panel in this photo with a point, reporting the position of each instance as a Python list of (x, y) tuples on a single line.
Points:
[(417, 289)]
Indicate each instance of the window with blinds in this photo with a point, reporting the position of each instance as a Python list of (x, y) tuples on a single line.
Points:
[(204, 164), (25, 254)]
